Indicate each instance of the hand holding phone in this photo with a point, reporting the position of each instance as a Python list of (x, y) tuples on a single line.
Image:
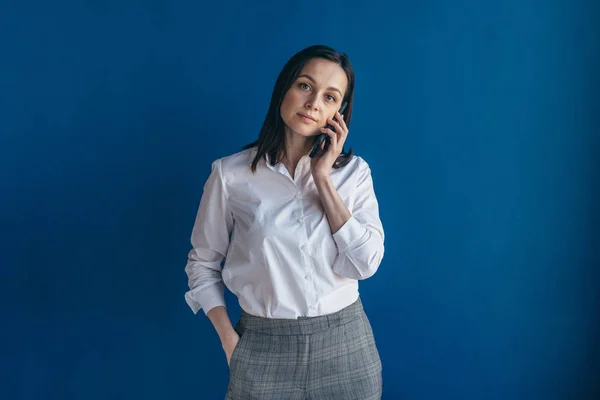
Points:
[(323, 137)]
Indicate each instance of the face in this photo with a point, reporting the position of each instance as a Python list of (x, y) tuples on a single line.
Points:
[(315, 96)]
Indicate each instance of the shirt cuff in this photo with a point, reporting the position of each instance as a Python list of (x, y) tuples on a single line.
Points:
[(206, 304), (349, 234)]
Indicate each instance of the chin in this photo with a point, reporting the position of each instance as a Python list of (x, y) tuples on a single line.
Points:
[(303, 130), (296, 125), (307, 134)]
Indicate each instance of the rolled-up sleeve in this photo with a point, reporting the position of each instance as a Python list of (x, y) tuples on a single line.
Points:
[(360, 240), (210, 241)]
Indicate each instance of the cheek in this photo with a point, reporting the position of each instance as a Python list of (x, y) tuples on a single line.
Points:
[(289, 104), (286, 111), (294, 97), (285, 104)]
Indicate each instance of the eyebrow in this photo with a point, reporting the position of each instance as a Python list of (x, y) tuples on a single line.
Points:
[(313, 81)]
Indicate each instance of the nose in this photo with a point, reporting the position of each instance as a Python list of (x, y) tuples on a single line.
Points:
[(312, 102)]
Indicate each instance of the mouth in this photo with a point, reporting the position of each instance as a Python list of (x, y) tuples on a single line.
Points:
[(307, 118)]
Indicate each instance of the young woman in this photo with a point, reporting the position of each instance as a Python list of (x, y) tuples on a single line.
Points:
[(297, 233)]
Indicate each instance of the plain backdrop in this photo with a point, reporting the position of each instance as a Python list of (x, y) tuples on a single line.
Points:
[(480, 121)]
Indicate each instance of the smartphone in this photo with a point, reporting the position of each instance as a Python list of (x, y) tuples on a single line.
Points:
[(323, 137)]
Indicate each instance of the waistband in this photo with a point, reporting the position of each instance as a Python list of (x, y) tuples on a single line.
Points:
[(302, 325)]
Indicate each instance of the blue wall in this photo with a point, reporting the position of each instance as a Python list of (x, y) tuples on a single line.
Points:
[(480, 122)]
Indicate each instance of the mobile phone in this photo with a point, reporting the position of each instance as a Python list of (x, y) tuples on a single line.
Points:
[(323, 137)]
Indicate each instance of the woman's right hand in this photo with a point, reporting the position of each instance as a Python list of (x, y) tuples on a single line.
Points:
[(229, 337), (229, 343)]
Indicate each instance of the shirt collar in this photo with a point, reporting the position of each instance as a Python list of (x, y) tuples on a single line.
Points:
[(254, 151)]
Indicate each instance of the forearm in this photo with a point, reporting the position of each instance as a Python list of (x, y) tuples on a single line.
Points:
[(336, 210), (220, 320), (358, 234)]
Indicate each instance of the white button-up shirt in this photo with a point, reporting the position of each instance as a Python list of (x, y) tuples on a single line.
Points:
[(281, 258)]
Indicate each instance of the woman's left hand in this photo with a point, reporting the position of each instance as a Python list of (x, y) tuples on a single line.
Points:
[(321, 166)]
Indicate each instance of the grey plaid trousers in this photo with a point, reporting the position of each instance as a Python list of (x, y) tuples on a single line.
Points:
[(328, 357)]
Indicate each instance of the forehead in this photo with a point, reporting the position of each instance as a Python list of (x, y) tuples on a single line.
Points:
[(326, 73)]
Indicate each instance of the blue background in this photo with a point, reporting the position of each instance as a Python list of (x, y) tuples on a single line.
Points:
[(480, 121)]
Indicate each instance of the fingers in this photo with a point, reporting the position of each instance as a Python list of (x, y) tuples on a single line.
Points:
[(332, 136), (335, 124), (339, 124)]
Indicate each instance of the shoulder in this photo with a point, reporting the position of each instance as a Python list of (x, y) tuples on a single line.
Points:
[(356, 165), (358, 171), (235, 159), (235, 164)]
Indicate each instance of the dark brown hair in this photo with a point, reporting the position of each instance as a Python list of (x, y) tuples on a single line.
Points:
[(271, 139)]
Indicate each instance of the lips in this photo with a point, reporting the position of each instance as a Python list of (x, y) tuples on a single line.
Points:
[(307, 117)]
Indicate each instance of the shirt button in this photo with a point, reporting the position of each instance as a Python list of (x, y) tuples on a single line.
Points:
[(298, 195), (301, 219), (312, 307), (306, 277)]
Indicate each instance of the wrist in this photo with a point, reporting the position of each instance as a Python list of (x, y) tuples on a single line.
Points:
[(321, 179), (228, 336)]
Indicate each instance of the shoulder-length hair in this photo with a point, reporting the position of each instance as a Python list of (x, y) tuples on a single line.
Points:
[(271, 139)]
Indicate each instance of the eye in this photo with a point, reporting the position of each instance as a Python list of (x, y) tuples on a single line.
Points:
[(330, 97), (304, 86)]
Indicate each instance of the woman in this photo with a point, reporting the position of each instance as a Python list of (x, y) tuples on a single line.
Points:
[(297, 234)]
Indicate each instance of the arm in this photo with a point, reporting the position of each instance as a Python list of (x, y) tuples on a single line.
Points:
[(358, 234), (229, 337), (210, 241), (336, 210)]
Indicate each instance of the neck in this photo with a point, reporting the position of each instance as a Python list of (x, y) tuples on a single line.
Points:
[(296, 147)]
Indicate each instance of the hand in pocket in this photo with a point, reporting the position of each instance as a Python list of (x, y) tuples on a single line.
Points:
[(229, 345)]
